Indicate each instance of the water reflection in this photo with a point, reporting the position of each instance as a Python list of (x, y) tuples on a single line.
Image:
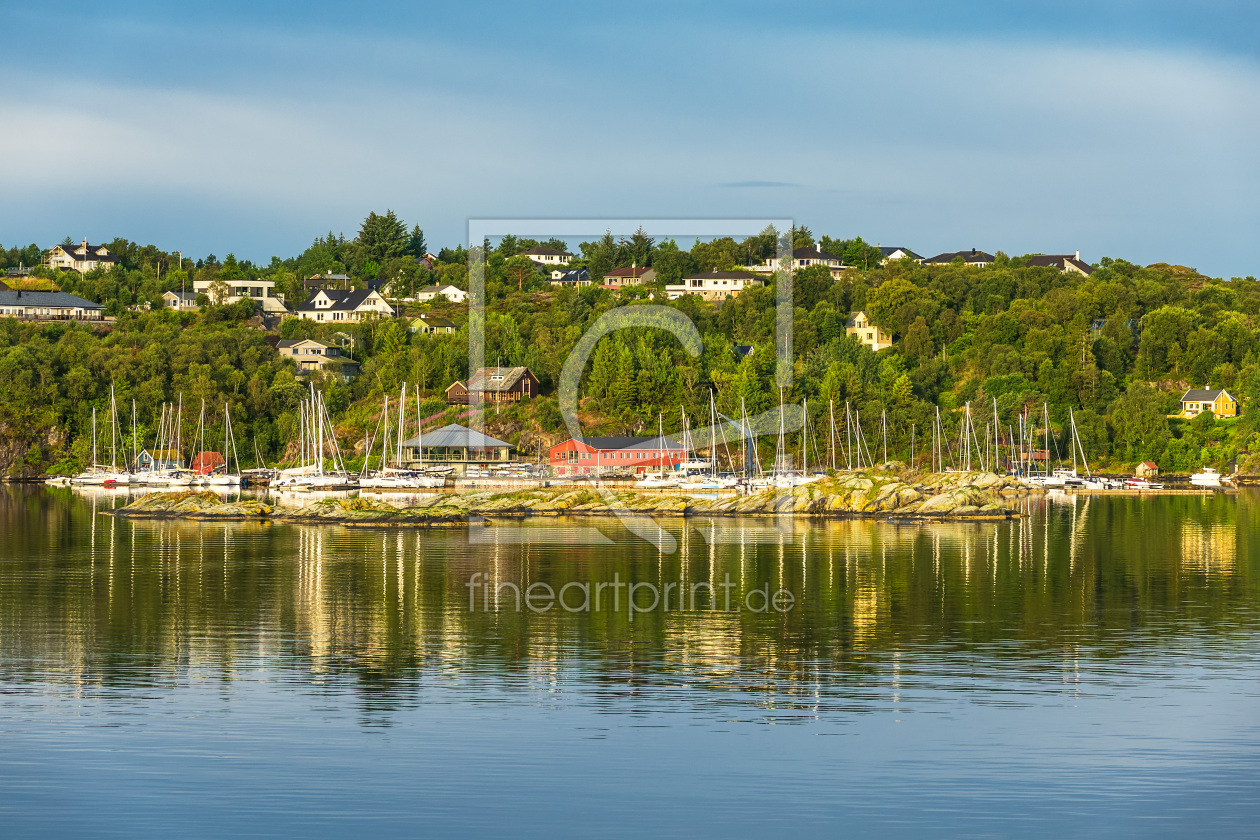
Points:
[(88, 600)]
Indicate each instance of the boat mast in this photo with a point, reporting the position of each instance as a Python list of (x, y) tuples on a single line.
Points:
[(113, 431), (402, 424), (712, 436), (848, 436), (883, 422), (831, 435)]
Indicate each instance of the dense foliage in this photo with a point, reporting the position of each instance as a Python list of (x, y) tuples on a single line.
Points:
[(1116, 348)]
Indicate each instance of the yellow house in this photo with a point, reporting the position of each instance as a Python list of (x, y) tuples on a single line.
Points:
[(1219, 401), (866, 332)]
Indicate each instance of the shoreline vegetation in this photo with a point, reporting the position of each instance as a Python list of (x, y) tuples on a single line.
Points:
[(872, 495), (1028, 345)]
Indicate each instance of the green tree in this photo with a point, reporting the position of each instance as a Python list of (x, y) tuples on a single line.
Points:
[(1141, 429)]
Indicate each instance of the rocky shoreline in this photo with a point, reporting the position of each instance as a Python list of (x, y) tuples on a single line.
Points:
[(954, 496)]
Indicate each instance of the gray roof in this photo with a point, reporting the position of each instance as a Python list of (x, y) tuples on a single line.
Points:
[(344, 300), (887, 250), (1061, 262), (545, 252), (641, 443), (61, 300), (972, 256), (812, 253), (181, 295), (1203, 395), (456, 436)]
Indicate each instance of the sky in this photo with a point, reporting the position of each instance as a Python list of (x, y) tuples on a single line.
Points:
[(1113, 127)]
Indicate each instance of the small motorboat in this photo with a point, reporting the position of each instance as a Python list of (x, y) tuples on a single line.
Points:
[(1139, 483), (1206, 477)]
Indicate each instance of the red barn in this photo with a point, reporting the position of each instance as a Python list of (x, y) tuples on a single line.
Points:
[(597, 456)]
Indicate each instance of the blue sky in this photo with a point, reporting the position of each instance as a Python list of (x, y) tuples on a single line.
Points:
[(1117, 128)]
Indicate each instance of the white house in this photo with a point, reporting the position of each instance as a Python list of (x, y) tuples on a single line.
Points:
[(48, 306), (179, 301), (894, 252), (803, 258), (451, 293), (548, 257), (344, 305), (713, 285), (576, 277), (83, 257), (263, 291)]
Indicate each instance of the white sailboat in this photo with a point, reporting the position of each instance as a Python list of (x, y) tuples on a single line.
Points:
[(658, 480), (227, 478)]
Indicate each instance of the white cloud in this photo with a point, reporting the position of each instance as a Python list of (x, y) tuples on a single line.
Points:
[(934, 144)]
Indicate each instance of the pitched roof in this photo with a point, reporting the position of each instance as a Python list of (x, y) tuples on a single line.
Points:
[(433, 321), (93, 252), (488, 378), (640, 443), (972, 256), (1204, 395), (573, 275), (181, 295), (628, 271), (438, 289), (888, 250), (344, 300), (812, 253), (723, 275), (286, 343), (545, 252), (1061, 262), (457, 437), (56, 300)]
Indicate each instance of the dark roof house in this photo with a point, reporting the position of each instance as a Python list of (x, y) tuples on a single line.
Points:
[(972, 258), (1063, 262)]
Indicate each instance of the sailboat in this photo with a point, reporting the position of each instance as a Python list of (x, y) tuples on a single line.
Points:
[(658, 480), (226, 478), (400, 478), (709, 479)]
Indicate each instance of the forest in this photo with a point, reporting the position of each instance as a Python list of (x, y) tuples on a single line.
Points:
[(1116, 349)]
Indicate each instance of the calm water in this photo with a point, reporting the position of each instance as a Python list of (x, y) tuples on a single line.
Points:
[(1090, 670)]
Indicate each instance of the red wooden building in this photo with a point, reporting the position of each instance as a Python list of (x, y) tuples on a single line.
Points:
[(596, 456)]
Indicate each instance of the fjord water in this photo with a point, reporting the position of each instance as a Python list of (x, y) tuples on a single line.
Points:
[(1092, 669)]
